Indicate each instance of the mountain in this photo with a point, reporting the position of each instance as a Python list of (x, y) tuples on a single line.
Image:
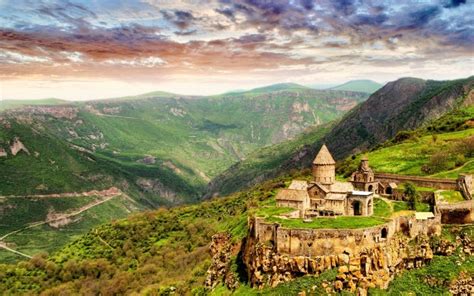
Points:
[(166, 251), (367, 86), (157, 149), (400, 105), (142, 133), (278, 87), (10, 104)]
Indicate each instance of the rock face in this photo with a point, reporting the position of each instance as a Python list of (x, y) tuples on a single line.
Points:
[(18, 146), (371, 267), (3, 153), (155, 186), (462, 286), (221, 251)]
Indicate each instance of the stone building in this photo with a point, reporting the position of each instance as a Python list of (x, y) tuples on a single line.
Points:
[(325, 196), (364, 178)]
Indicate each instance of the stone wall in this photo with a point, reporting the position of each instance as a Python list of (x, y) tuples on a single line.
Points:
[(459, 213), (322, 242), (438, 183), (425, 196), (370, 267), (465, 185)]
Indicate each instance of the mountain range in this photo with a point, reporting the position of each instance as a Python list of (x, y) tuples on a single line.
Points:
[(161, 149)]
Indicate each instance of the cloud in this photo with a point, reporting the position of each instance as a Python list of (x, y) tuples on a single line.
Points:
[(152, 38)]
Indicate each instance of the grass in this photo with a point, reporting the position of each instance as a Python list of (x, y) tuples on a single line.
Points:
[(450, 196), (382, 208), (268, 211), (343, 222), (435, 278), (44, 238), (409, 157), (399, 206), (305, 283)]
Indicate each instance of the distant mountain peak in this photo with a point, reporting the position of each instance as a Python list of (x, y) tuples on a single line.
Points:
[(360, 85), (279, 86)]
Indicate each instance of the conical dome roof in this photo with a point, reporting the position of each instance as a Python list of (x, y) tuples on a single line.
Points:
[(324, 156)]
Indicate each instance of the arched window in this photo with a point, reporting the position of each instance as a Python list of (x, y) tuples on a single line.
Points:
[(384, 233)]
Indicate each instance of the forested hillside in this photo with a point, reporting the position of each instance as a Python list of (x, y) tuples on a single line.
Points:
[(157, 149)]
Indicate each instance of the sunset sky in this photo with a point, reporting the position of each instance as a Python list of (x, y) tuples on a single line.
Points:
[(108, 48)]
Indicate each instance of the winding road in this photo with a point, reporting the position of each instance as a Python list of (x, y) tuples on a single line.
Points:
[(61, 216)]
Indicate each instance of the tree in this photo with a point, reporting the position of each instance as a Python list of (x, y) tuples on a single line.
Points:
[(411, 195)]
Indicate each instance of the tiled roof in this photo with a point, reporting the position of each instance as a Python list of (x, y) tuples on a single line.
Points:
[(324, 156), (299, 185), (320, 186), (292, 194), (338, 186), (335, 196)]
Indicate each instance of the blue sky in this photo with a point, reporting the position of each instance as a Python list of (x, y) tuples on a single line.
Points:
[(93, 49)]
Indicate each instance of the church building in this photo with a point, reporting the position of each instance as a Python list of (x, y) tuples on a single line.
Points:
[(325, 196)]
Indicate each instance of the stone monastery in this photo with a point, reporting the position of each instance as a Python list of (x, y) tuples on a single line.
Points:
[(325, 196)]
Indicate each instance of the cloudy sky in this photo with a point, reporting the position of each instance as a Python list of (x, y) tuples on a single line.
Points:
[(79, 49)]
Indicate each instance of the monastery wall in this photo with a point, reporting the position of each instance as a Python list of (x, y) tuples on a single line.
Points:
[(447, 184), (323, 242)]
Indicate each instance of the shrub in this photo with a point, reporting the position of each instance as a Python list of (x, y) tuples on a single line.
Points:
[(404, 135), (411, 195)]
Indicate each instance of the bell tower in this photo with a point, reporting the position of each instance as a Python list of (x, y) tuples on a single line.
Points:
[(364, 178), (324, 167)]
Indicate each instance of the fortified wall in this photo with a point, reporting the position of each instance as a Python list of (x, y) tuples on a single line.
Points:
[(367, 257), (323, 242), (438, 183)]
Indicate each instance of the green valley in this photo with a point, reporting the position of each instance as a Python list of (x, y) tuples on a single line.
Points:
[(159, 149)]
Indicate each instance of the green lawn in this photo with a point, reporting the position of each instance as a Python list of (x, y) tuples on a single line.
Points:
[(343, 222), (450, 196), (407, 158), (382, 208), (403, 206)]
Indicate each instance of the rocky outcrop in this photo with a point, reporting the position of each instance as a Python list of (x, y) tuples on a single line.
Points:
[(372, 267), (148, 159), (155, 186), (219, 271), (67, 112), (463, 286), (3, 152), (17, 146)]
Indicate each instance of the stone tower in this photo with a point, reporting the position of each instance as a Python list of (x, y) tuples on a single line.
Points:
[(363, 178), (324, 167)]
